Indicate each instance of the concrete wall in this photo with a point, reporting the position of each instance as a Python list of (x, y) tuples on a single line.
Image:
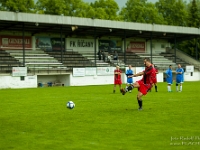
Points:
[(16, 82), (69, 80)]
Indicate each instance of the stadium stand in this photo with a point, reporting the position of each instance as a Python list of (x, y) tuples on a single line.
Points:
[(37, 61), (181, 58), (71, 59), (131, 59), (7, 62), (90, 56), (161, 62)]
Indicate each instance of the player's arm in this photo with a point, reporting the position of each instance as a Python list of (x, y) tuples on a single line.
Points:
[(166, 72), (157, 71), (116, 72), (178, 72), (137, 74)]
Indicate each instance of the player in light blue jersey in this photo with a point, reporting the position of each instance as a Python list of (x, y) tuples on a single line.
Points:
[(179, 78), (129, 72), (169, 78)]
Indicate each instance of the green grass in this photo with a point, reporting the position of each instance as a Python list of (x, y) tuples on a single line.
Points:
[(37, 119)]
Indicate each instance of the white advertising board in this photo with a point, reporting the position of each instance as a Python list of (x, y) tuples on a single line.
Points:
[(90, 71), (19, 71), (189, 68), (105, 70), (78, 72)]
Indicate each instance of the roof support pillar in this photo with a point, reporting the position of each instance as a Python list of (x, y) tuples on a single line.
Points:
[(151, 48), (125, 46), (196, 48), (95, 47), (61, 44), (175, 47), (23, 43)]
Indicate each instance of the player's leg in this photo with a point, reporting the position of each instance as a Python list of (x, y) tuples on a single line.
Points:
[(156, 88), (177, 87), (139, 99), (181, 87), (129, 84), (135, 85), (169, 87), (178, 81), (150, 88), (114, 88), (120, 87)]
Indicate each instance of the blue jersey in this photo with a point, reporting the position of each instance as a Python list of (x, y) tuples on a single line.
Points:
[(129, 72), (169, 78), (179, 77)]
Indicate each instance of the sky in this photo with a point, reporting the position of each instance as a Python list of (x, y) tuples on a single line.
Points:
[(122, 3)]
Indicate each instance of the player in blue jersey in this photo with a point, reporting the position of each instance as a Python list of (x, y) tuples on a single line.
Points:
[(129, 72), (179, 78), (169, 78)]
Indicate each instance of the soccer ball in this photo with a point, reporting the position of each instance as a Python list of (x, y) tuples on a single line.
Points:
[(70, 105)]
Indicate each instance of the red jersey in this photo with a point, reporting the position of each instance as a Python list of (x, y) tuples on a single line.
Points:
[(148, 75), (154, 79), (117, 77), (155, 71)]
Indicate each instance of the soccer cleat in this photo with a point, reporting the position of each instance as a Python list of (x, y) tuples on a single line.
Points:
[(140, 108), (123, 91)]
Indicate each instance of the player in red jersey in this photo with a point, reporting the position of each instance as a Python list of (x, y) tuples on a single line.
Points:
[(154, 77), (117, 78), (143, 85)]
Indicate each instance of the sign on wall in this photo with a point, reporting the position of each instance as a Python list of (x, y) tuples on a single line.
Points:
[(78, 72), (110, 45), (80, 44), (19, 71), (105, 70), (90, 71), (189, 68), (49, 44), (135, 46), (15, 41)]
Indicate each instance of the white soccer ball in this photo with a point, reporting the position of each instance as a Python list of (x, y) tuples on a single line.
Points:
[(70, 105)]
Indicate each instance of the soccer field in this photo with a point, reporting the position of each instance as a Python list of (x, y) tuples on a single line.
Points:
[(37, 119)]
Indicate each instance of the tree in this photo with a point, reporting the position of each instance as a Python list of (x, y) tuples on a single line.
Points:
[(141, 11), (174, 11), (189, 46), (17, 5), (194, 15), (55, 7), (76, 8), (105, 9)]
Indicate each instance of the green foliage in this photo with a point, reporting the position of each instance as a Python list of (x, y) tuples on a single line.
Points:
[(17, 5), (193, 20), (105, 9), (174, 11), (33, 119), (194, 15), (54, 7), (76, 8), (141, 11)]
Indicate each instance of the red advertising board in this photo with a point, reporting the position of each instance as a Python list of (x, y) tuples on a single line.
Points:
[(136, 47), (15, 41)]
